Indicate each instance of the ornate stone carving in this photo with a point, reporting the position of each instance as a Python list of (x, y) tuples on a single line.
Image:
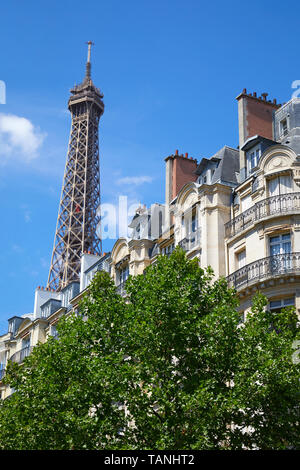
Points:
[(277, 163)]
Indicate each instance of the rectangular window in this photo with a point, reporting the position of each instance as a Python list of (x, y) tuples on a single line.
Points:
[(54, 332), (253, 159), (168, 249), (280, 244), (191, 224), (241, 259), (283, 127), (26, 342), (11, 327), (138, 230), (194, 222), (123, 274), (280, 258), (278, 305), (246, 202), (280, 185), (67, 295)]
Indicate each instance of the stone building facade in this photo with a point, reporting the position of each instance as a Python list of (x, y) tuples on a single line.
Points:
[(237, 211)]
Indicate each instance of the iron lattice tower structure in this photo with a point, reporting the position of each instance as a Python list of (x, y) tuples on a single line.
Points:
[(78, 216)]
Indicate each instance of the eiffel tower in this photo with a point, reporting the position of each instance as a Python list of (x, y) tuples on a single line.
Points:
[(78, 215)]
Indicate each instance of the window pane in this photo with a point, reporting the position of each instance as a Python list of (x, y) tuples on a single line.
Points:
[(285, 184), (286, 236), (286, 247), (241, 259), (274, 187), (275, 304), (246, 202), (290, 301), (275, 239)]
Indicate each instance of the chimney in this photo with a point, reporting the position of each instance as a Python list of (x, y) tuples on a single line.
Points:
[(179, 171), (255, 118)]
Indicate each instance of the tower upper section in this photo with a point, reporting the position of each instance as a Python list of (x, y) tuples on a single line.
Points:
[(78, 223), (86, 92)]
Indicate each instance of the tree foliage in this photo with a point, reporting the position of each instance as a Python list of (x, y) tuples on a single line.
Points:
[(169, 367)]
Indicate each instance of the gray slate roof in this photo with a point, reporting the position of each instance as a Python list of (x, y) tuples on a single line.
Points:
[(227, 164)]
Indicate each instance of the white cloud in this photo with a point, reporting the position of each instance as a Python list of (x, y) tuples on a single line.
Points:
[(19, 138), (135, 180), (16, 248), (27, 217), (44, 262), (26, 212)]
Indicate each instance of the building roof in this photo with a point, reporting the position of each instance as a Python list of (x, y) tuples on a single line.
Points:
[(226, 163), (255, 139)]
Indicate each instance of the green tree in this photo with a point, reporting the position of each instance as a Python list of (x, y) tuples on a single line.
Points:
[(169, 367)]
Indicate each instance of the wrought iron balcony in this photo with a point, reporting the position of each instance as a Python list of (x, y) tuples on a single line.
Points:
[(274, 205), (19, 356), (265, 268), (192, 241)]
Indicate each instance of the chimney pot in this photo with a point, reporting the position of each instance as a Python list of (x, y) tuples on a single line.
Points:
[(245, 91), (186, 155), (254, 94), (176, 152)]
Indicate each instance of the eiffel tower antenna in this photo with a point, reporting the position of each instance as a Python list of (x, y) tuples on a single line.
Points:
[(78, 221), (90, 44), (88, 62)]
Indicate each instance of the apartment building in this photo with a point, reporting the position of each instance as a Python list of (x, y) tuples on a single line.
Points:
[(237, 211), (262, 238)]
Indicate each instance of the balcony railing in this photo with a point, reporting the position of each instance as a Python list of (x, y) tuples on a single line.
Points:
[(265, 268), (192, 241), (281, 204), (19, 356)]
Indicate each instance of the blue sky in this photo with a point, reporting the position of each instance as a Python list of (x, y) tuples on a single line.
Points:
[(169, 70)]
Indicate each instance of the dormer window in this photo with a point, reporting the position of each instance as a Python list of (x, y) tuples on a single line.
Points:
[(67, 295), (11, 327), (254, 157), (283, 127), (138, 231)]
